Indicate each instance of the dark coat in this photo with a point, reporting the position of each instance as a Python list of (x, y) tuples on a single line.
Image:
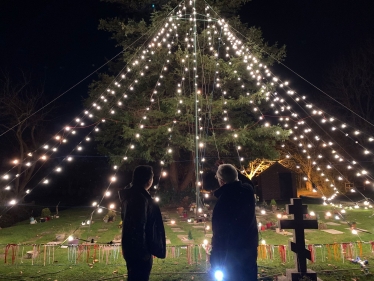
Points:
[(234, 225), (143, 232)]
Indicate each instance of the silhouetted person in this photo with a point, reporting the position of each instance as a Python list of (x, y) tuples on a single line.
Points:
[(143, 233), (234, 226)]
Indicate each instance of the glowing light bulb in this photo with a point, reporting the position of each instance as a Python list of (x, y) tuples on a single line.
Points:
[(206, 195), (172, 221), (70, 158), (205, 242), (113, 179), (279, 216), (94, 204), (157, 199), (263, 242), (328, 214), (100, 210), (343, 211), (107, 194), (111, 206), (58, 169), (354, 231), (70, 238), (263, 212), (312, 213)]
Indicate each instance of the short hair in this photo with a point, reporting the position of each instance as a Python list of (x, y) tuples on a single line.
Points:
[(142, 174), (227, 173)]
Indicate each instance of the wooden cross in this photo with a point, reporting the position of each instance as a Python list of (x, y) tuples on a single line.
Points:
[(298, 224)]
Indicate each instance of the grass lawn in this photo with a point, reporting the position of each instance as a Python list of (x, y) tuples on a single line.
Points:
[(61, 263)]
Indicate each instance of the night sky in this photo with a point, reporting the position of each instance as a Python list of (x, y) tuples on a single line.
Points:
[(58, 41)]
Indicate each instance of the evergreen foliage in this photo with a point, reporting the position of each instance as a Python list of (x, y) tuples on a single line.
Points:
[(170, 123)]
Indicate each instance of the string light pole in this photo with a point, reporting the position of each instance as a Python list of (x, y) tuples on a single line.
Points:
[(196, 112)]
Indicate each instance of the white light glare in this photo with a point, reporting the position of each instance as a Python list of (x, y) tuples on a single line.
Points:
[(218, 275)]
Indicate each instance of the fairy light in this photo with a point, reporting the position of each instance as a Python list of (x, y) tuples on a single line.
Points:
[(292, 92)]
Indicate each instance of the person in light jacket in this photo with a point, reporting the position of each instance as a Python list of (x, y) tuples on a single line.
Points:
[(143, 233)]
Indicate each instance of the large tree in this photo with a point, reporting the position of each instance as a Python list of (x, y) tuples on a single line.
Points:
[(152, 98)]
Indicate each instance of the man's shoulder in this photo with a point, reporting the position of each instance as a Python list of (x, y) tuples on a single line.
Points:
[(248, 186), (133, 193)]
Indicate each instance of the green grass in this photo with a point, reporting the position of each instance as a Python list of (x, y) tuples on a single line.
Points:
[(60, 268)]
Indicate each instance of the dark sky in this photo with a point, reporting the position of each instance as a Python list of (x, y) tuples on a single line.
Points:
[(58, 40), (316, 32)]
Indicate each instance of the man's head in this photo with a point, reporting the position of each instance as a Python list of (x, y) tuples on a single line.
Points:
[(143, 176), (226, 173)]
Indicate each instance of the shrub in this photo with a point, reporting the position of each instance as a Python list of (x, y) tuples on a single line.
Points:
[(7, 220), (46, 212), (190, 235), (273, 202)]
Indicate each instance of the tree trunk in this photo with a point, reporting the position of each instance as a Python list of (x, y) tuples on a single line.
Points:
[(174, 175), (189, 178)]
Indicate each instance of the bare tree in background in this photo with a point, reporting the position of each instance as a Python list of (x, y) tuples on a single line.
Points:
[(19, 99), (351, 82)]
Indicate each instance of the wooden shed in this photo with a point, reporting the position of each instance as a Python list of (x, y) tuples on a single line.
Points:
[(276, 182)]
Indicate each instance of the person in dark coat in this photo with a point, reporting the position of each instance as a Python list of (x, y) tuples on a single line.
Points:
[(234, 226), (143, 233)]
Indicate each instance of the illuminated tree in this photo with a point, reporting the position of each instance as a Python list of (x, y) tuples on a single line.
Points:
[(156, 120)]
